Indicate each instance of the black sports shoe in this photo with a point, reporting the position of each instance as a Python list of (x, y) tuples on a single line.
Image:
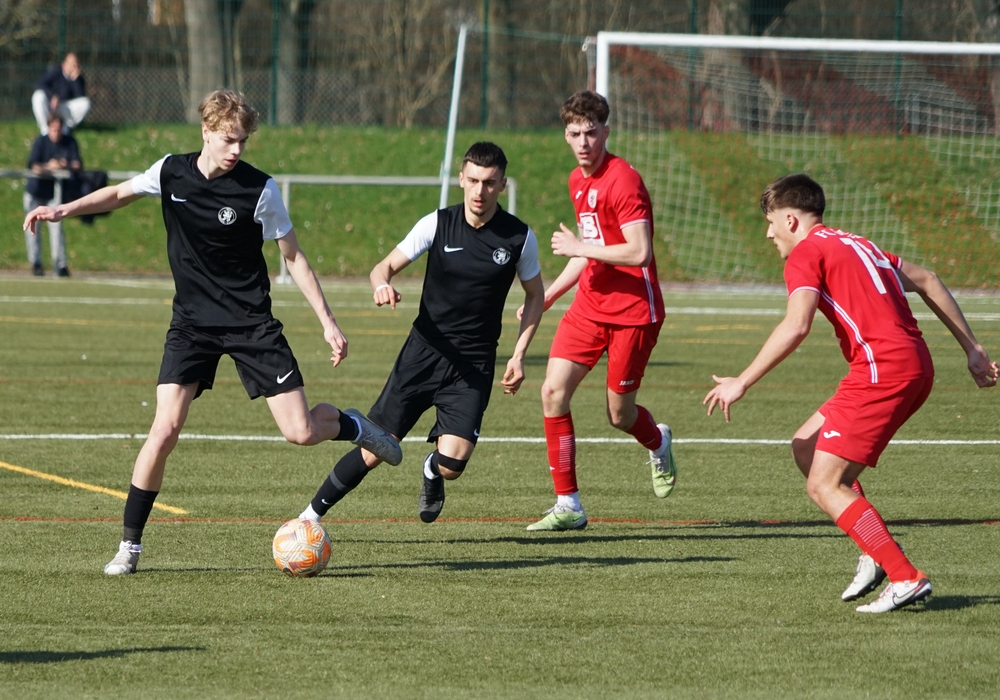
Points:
[(37, 270), (431, 497), (62, 272)]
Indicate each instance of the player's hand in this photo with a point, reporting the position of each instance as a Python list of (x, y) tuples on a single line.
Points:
[(565, 242), (338, 344), (40, 214), (982, 370), (728, 391), (386, 294), (512, 376)]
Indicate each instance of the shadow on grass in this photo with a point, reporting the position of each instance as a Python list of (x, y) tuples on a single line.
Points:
[(960, 602), (52, 657), (507, 564)]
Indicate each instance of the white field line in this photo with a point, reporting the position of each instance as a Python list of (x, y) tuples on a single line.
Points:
[(670, 310), (508, 440)]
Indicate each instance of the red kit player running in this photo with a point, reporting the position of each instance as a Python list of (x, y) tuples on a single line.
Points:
[(860, 290), (618, 308)]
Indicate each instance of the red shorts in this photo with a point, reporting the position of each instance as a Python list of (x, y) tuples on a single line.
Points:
[(862, 417), (581, 340)]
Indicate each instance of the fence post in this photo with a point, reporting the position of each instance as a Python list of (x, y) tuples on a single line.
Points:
[(456, 91)]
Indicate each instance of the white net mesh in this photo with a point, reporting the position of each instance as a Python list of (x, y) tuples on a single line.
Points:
[(904, 145)]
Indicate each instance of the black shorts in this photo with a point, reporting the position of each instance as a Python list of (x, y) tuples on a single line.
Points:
[(263, 359), (422, 378)]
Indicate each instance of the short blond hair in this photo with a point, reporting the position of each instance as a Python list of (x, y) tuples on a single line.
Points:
[(222, 109)]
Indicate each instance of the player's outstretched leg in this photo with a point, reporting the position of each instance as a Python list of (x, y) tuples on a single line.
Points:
[(899, 594), (125, 560), (375, 439), (431, 499), (866, 579), (664, 467)]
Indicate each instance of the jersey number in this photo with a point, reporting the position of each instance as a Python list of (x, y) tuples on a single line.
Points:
[(873, 259)]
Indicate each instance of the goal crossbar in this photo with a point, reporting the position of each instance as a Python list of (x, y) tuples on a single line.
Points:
[(718, 41)]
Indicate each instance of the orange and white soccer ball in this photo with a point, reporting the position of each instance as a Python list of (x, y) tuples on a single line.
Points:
[(301, 548)]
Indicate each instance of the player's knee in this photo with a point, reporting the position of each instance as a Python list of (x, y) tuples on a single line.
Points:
[(449, 467), (164, 435), (299, 435), (552, 396)]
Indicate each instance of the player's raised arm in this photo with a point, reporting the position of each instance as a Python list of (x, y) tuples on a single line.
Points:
[(305, 279), (937, 297), (103, 200)]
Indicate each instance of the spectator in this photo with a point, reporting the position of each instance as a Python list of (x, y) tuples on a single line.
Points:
[(52, 151), (61, 91)]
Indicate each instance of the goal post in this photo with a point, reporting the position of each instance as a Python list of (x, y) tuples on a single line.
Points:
[(902, 136)]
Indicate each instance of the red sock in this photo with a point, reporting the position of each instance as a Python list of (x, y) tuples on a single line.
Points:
[(856, 488), (561, 441), (865, 526), (645, 431)]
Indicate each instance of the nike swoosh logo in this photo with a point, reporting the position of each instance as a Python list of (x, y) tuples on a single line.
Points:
[(281, 380), (476, 433), (324, 502), (831, 433), (449, 249), (175, 198)]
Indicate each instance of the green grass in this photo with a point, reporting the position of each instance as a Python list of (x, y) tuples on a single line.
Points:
[(729, 588), (344, 230), (930, 200)]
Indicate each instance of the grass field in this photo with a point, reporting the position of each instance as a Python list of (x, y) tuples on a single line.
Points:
[(729, 588)]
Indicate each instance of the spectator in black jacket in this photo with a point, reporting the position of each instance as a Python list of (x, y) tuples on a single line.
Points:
[(50, 152), (61, 91)]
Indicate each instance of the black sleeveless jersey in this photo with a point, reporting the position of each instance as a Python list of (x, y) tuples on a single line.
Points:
[(469, 274), (214, 245)]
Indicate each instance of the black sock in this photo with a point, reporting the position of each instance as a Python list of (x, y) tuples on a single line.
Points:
[(346, 475), (348, 429), (138, 505)]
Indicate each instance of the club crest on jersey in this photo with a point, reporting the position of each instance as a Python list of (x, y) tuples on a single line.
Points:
[(501, 256), (227, 215), (592, 198)]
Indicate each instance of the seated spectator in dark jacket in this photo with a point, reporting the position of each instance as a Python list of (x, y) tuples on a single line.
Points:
[(61, 91), (51, 152)]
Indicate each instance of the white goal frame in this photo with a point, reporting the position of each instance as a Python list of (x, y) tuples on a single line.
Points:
[(718, 41)]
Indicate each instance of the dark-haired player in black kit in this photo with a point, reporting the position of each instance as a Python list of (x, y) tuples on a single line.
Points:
[(474, 250), (218, 211)]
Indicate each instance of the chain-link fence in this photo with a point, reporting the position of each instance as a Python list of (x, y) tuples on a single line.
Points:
[(390, 62)]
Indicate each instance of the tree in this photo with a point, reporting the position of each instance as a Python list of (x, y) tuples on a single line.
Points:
[(19, 20), (293, 41)]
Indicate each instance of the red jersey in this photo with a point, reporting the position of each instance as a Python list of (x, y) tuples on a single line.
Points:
[(610, 199), (862, 296)]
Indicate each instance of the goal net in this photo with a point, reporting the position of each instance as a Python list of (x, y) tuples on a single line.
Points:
[(902, 136)]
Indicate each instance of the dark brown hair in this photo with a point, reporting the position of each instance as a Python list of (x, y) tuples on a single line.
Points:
[(794, 192)]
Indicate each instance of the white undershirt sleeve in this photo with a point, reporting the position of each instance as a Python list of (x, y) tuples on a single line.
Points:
[(149, 182), (528, 266), (420, 238), (271, 212)]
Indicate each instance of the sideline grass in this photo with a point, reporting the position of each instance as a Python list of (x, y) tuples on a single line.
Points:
[(728, 588)]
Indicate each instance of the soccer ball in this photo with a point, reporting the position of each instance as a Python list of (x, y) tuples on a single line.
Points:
[(301, 548)]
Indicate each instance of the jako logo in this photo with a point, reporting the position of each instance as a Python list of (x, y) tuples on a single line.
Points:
[(626, 382)]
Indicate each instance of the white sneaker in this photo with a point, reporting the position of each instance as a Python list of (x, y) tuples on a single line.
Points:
[(664, 467), (125, 561), (899, 595), (867, 578)]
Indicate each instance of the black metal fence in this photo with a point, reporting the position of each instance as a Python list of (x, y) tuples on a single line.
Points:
[(390, 62)]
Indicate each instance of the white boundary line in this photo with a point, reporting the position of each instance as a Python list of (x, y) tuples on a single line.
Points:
[(509, 440)]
